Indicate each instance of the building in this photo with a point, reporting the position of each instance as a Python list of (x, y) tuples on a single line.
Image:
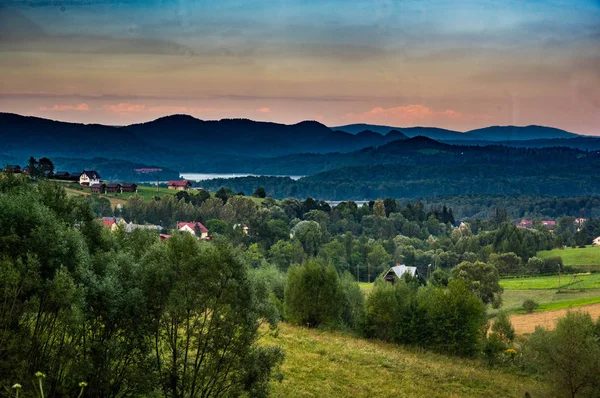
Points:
[(98, 188), (89, 177), (164, 237), (12, 168), (525, 224), (113, 223), (596, 242), (114, 187), (179, 185), (190, 227), (548, 224), (397, 272), (127, 187), (62, 175)]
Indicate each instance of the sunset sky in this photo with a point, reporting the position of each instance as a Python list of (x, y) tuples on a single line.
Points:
[(453, 64)]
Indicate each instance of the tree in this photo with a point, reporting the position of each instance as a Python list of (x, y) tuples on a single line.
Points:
[(45, 165), (308, 233), (224, 194), (377, 260), (570, 355), (313, 294), (260, 192), (482, 279), (379, 208)]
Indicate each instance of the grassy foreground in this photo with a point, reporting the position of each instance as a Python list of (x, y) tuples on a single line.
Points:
[(333, 364), (589, 255)]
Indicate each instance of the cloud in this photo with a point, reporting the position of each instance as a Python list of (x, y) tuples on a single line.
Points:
[(263, 110), (125, 107), (415, 113), (60, 108)]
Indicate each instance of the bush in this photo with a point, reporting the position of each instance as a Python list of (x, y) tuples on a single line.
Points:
[(530, 305), (353, 302), (313, 294), (503, 328)]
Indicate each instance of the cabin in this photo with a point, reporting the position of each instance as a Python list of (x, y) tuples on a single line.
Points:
[(98, 188), (12, 168), (89, 177), (62, 175), (114, 187), (127, 187), (397, 272), (179, 185), (190, 227)]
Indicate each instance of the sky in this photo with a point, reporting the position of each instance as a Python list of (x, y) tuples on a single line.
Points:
[(452, 64)]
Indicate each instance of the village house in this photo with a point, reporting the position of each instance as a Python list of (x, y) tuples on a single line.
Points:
[(525, 224), (98, 188), (548, 224), (128, 187), (397, 272), (179, 185), (62, 175), (596, 242), (12, 168), (113, 187), (113, 223), (89, 177), (190, 227)]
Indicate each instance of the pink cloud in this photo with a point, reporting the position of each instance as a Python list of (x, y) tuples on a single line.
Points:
[(60, 108), (124, 107), (410, 114), (263, 110)]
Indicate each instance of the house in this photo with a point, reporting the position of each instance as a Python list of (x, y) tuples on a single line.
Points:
[(113, 223), (397, 272), (596, 242), (89, 177), (12, 168), (179, 185), (190, 227), (48, 173), (25, 170), (164, 237), (113, 187), (148, 227), (98, 188), (62, 175), (127, 187), (525, 224), (548, 223)]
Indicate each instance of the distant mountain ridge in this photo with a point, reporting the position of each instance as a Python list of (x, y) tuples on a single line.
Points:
[(492, 133)]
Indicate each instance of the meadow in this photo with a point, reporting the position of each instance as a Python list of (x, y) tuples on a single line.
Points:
[(322, 363), (581, 256)]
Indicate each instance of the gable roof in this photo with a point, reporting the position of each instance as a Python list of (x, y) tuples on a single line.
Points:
[(192, 225), (179, 183), (97, 185), (113, 185), (91, 174), (402, 269)]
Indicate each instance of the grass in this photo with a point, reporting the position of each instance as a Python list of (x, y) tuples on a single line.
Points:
[(334, 364), (577, 281), (589, 255), (366, 287), (549, 299)]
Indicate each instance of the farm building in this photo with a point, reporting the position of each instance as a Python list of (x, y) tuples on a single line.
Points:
[(113, 187), (190, 227), (127, 187), (89, 177), (12, 168), (397, 272), (179, 185), (98, 188), (62, 175)]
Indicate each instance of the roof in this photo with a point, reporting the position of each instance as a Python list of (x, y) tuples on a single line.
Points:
[(96, 185), (402, 269), (113, 185), (548, 222), (179, 183), (62, 173), (92, 174), (192, 225), (129, 184)]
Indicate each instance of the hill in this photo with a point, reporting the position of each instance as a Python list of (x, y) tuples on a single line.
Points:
[(431, 132), (323, 364), (517, 133)]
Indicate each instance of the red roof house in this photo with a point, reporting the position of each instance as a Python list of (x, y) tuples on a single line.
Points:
[(180, 185), (190, 227)]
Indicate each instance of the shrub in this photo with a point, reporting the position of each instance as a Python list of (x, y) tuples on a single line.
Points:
[(530, 305), (503, 328)]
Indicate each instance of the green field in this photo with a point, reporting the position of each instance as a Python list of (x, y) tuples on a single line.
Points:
[(578, 281), (549, 299), (333, 364), (589, 255)]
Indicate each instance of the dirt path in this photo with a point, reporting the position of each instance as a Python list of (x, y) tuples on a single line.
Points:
[(524, 324), (113, 201)]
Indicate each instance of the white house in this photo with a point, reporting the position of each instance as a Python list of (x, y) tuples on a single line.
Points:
[(190, 227), (596, 242), (89, 177), (397, 272)]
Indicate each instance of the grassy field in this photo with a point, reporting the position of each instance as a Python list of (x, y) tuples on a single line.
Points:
[(589, 255), (333, 364), (366, 287), (578, 281), (549, 299)]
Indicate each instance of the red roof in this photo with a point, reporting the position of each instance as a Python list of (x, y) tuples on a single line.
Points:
[(108, 223), (179, 183), (192, 225), (545, 222)]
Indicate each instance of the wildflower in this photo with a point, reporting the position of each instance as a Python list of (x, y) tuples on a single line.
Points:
[(40, 375), (511, 352), (83, 384), (17, 386)]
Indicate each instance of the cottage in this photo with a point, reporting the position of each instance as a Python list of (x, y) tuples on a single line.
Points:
[(164, 237), (114, 187), (397, 272), (89, 177), (190, 227), (12, 168), (127, 187), (113, 223), (62, 175), (525, 224), (98, 188), (596, 242), (548, 223), (179, 185)]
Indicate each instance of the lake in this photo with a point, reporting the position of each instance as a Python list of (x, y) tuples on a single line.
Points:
[(210, 176)]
